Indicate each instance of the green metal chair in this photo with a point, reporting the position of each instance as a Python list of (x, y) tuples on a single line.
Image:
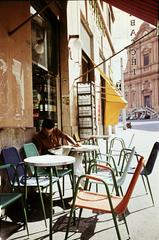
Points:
[(115, 146), (30, 150), (10, 155), (104, 173), (7, 199)]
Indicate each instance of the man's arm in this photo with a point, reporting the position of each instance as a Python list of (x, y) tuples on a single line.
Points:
[(66, 137), (72, 141)]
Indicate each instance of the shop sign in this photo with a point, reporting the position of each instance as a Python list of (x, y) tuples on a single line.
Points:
[(132, 50)]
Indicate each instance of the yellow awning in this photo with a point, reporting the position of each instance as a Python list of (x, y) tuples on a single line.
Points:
[(114, 102)]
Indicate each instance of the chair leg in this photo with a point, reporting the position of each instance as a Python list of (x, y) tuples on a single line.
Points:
[(126, 225), (79, 217), (90, 185), (73, 205), (41, 197), (121, 190), (25, 216), (149, 187), (71, 179), (69, 222), (59, 187), (61, 196), (116, 226), (144, 183), (63, 185)]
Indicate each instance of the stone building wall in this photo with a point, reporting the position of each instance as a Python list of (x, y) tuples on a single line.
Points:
[(141, 78)]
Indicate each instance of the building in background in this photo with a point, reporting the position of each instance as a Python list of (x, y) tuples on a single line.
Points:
[(141, 74)]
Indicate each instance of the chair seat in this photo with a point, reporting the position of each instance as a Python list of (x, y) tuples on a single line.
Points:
[(63, 172), (43, 181), (107, 177), (8, 198), (96, 202), (143, 172), (31, 181)]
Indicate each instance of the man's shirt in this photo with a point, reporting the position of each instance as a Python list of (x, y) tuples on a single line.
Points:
[(44, 142)]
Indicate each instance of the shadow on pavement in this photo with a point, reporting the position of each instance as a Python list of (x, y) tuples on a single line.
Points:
[(34, 213), (8, 228), (86, 226)]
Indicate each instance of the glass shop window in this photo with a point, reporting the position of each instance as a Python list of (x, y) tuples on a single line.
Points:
[(39, 41), (45, 68)]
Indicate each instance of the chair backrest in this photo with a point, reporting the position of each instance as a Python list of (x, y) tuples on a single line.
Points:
[(115, 146), (124, 203), (130, 155), (10, 155), (30, 150), (151, 161)]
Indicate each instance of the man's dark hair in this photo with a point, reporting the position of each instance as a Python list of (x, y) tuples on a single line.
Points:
[(48, 123)]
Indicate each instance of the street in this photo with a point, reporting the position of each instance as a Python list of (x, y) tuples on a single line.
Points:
[(146, 125)]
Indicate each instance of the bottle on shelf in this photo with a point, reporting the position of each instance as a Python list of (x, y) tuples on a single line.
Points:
[(41, 106), (46, 104)]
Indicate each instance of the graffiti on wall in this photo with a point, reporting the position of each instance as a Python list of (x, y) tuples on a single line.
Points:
[(18, 101), (11, 92), (3, 86)]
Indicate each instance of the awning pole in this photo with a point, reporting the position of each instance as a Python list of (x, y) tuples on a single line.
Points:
[(28, 19), (128, 46)]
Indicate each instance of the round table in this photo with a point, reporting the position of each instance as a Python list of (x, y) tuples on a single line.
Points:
[(82, 148), (50, 161), (78, 167)]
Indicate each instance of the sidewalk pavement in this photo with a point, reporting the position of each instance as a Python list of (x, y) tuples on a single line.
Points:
[(143, 221)]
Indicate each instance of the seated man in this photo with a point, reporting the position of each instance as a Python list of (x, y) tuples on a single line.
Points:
[(51, 137)]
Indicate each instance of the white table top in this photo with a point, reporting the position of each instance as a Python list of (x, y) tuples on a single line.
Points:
[(82, 148), (49, 160), (101, 136)]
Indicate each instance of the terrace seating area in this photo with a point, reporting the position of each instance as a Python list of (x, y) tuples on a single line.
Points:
[(95, 224)]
